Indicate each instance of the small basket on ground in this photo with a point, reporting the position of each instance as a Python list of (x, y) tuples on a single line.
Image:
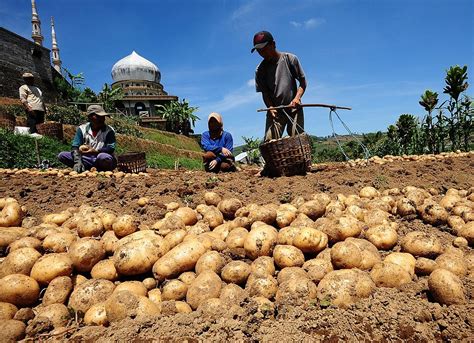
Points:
[(132, 162), (287, 156), (51, 129), (7, 121)]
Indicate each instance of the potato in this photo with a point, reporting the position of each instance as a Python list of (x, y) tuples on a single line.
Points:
[(369, 192), (355, 211), (370, 254), (58, 242), (169, 224), (211, 215), (58, 314), (404, 260), (335, 209), (386, 274), (212, 198), (303, 220), (376, 217), (149, 283), (310, 240), (424, 266), (89, 293), (109, 242), (104, 269), (181, 258), (345, 287), (90, 226), (288, 256), (264, 265), (174, 290), (417, 195), (187, 215), (421, 244), (291, 273), (11, 234), (296, 290), (460, 242), (260, 241), (51, 266), (286, 214), (206, 285), (172, 206), (135, 287), (143, 201), (232, 294), (261, 285), (406, 207), (19, 261), (124, 304), (313, 209), (262, 214), (433, 214), (348, 226), (58, 291), (236, 272), (57, 218), (25, 242), (446, 288), (12, 330), (139, 256), (85, 253), (346, 255), (96, 315), (236, 238), (11, 214), (19, 290), (317, 268), (211, 260), (383, 236), (155, 296), (287, 234), (7, 311), (175, 237), (449, 201), (108, 219), (125, 225), (229, 206), (467, 231), (454, 263)]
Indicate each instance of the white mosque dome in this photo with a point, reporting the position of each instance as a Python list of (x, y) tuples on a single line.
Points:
[(135, 67)]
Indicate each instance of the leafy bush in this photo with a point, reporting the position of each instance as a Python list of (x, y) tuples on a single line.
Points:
[(18, 151), (66, 115), (16, 110)]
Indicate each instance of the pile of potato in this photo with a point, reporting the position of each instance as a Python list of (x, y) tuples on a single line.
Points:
[(66, 173), (105, 266)]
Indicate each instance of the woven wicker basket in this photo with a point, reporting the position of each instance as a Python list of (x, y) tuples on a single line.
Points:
[(7, 121), (132, 162), (287, 156), (51, 129)]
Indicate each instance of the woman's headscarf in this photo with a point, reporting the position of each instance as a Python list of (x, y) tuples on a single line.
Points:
[(217, 133)]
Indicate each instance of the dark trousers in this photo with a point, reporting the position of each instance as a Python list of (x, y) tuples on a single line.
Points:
[(226, 164), (102, 161), (34, 118)]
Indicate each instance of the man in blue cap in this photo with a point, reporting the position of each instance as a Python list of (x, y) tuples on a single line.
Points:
[(276, 78)]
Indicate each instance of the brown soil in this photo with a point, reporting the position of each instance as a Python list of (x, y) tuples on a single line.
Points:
[(388, 315)]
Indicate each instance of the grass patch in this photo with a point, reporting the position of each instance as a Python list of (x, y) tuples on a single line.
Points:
[(155, 160), (180, 142)]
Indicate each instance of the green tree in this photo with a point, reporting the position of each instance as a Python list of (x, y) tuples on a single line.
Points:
[(407, 132), (180, 116), (108, 96), (428, 101), (87, 95), (252, 149)]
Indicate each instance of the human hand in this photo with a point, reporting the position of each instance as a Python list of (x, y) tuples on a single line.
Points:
[(212, 164), (226, 152), (272, 113), (83, 148), (296, 102)]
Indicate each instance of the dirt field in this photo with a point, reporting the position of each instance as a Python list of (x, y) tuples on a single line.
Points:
[(388, 315)]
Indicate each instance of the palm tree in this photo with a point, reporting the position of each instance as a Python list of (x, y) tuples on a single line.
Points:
[(180, 116), (108, 96)]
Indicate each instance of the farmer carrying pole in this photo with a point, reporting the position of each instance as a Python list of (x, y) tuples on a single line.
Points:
[(276, 78)]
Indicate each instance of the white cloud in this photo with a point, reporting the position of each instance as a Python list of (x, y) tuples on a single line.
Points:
[(308, 24), (251, 83), (243, 11)]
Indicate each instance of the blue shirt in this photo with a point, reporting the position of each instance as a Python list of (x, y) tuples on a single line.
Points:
[(216, 145)]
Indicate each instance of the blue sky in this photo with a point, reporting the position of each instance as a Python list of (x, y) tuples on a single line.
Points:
[(375, 56)]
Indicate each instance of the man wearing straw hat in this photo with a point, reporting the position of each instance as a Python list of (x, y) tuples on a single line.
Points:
[(31, 98), (93, 145), (276, 78)]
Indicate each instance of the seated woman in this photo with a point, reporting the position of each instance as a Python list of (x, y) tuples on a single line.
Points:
[(218, 146)]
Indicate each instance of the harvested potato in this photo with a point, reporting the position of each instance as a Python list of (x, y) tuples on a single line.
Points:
[(455, 222), (58, 314), (210, 215), (310, 240), (421, 244), (303, 220), (236, 272), (149, 283), (169, 224), (260, 241), (346, 255), (174, 290), (345, 287), (347, 226), (452, 262), (206, 285), (286, 214), (19, 261), (135, 287), (211, 260), (446, 288), (317, 268), (261, 285), (58, 291), (19, 290), (424, 266), (172, 206), (96, 315), (143, 201), (124, 304), (57, 218), (404, 260), (236, 238), (376, 217), (313, 209), (467, 231), (109, 242), (7, 311), (288, 256), (433, 213), (187, 215), (12, 330), (369, 192), (85, 253), (51, 266), (460, 242), (355, 211), (264, 265), (449, 201), (291, 273), (104, 269), (11, 234), (262, 214), (90, 226), (287, 234), (89, 293), (296, 290), (383, 236), (406, 207), (187, 277), (175, 237), (370, 254), (416, 195), (229, 206), (386, 274), (11, 214), (125, 225), (212, 198), (108, 219), (232, 294), (155, 296), (181, 258), (58, 242), (25, 242)]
